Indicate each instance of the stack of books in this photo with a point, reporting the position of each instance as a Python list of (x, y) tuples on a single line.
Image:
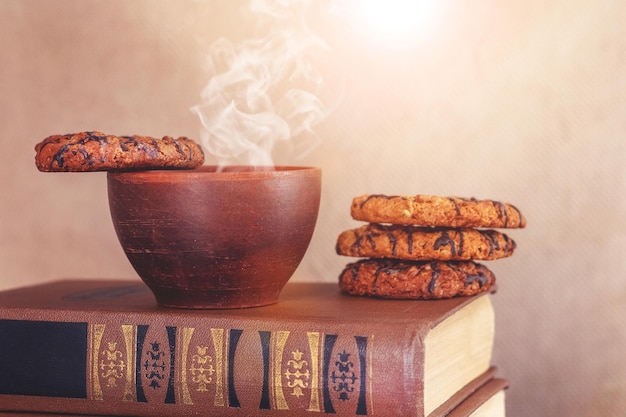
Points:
[(104, 347)]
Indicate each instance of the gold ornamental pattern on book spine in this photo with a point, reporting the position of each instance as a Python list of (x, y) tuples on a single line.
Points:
[(199, 367)]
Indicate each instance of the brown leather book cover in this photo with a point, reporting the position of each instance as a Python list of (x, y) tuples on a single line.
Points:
[(105, 347), (469, 405), (480, 397)]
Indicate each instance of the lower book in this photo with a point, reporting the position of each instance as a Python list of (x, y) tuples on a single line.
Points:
[(487, 401), (105, 348)]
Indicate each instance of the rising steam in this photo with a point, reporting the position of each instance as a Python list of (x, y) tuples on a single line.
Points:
[(263, 92)]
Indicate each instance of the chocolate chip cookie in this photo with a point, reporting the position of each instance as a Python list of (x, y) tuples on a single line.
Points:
[(96, 151), (425, 210), (424, 243), (390, 278)]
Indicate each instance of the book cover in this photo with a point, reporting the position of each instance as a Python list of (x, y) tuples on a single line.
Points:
[(105, 347), (486, 401)]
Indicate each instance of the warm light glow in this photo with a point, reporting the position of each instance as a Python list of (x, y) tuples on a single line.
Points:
[(397, 21)]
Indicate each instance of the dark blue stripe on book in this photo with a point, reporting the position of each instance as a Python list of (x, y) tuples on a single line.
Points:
[(265, 349), (47, 359), (141, 338), (170, 397), (235, 334), (361, 343), (329, 343)]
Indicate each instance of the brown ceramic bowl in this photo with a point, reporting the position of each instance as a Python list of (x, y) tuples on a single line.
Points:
[(207, 239)]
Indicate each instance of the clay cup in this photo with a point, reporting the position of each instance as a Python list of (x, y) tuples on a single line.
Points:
[(209, 238)]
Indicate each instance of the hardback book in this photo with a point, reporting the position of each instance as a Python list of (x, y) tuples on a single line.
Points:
[(487, 401), (105, 347)]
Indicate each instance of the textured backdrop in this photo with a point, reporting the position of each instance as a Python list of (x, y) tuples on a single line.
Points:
[(521, 101)]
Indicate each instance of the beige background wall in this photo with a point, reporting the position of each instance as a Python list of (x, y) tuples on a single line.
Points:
[(521, 101)]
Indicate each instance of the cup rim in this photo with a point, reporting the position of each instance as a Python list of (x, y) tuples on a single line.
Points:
[(217, 173)]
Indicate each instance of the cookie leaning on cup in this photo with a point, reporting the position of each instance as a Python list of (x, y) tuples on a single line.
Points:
[(96, 151), (426, 247)]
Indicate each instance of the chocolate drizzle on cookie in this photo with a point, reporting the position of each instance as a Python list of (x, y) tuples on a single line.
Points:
[(95, 151), (79, 148), (480, 276), (374, 196), (444, 240), (502, 210), (58, 157), (390, 278), (425, 210), (423, 243), (388, 269), (456, 206), (434, 275)]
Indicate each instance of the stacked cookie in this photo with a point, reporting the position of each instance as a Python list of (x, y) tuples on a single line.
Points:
[(425, 247)]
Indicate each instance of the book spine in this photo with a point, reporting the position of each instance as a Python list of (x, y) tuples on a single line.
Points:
[(160, 368)]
